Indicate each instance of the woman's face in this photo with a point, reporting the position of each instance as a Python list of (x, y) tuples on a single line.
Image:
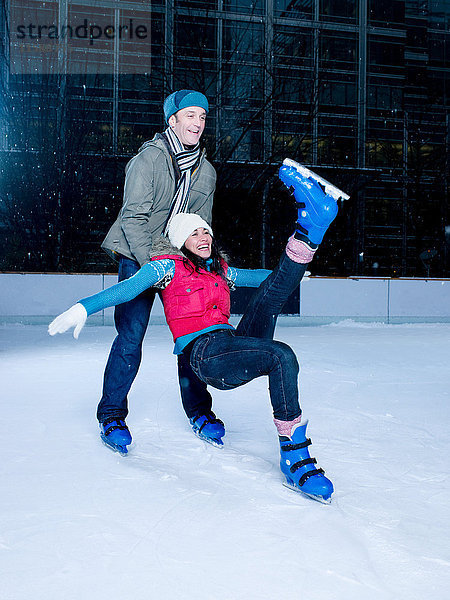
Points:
[(199, 242)]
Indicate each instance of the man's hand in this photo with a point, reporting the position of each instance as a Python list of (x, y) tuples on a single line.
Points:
[(74, 317)]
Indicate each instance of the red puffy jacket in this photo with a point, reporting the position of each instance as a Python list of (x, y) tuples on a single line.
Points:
[(193, 301)]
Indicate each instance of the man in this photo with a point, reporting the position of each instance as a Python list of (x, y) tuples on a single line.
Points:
[(169, 175)]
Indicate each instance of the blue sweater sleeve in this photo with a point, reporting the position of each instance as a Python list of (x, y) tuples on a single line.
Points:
[(247, 277), (147, 276)]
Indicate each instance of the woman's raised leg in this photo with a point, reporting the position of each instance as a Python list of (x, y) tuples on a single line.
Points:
[(316, 211)]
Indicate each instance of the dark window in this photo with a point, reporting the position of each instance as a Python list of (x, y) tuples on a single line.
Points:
[(244, 6), (386, 12), (439, 14), (293, 47), (292, 136), (293, 89), (336, 143), (337, 50), (194, 74), (195, 36), (339, 10), (205, 4), (386, 56), (383, 96), (242, 137), (294, 8), (337, 94), (243, 42), (243, 85)]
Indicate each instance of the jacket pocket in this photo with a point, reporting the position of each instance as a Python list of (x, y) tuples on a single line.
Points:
[(189, 300)]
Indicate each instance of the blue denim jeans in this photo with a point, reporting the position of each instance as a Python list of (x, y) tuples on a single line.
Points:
[(131, 320), (226, 359)]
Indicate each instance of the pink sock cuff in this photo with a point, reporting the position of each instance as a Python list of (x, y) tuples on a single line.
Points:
[(285, 427), (299, 251)]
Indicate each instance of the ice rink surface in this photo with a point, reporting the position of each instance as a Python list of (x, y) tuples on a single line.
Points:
[(179, 519)]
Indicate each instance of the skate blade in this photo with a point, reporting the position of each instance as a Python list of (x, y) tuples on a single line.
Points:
[(122, 450), (330, 189), (297, 490), (216, 442)]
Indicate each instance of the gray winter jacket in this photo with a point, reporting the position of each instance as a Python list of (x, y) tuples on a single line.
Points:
[(148, 193)]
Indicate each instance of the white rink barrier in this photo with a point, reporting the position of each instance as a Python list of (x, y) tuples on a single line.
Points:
[(376, 298), (38, 296)]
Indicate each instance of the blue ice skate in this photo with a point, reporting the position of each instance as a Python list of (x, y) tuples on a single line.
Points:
[(208, 428), (299, 468), (316, 200), (116, 435)]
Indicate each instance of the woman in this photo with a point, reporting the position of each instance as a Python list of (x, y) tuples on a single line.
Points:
[(195, 281)]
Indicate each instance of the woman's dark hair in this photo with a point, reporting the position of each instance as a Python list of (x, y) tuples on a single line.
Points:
[(213, 263)]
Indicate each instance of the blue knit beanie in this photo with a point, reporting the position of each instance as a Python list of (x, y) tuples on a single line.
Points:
[(183, 99)]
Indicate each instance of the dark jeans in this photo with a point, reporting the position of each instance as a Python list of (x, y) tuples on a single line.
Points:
[(131, 321), (226, 359)]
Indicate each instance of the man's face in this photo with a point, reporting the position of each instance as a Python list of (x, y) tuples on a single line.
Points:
[(188, 124)]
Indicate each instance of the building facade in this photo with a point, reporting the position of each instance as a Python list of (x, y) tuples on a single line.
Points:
[(358, 90)]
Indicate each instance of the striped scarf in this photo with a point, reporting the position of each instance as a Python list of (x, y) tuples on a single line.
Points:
[(186, 160)]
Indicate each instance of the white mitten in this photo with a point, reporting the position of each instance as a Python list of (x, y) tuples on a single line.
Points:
[(74, 317)]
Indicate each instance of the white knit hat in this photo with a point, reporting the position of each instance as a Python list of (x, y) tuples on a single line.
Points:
[(182, 225)]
